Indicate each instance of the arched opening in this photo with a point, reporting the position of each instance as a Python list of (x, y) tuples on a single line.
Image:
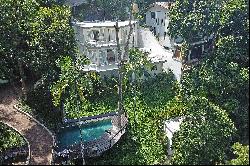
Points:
[(110, 56)]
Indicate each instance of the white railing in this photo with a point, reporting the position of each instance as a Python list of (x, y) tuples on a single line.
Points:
[(99, 68)]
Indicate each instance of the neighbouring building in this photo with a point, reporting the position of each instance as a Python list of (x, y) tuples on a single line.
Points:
[(97, 41), (197, 49), (157, 19)]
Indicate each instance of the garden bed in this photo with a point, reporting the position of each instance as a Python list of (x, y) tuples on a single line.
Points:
[(13, 146)]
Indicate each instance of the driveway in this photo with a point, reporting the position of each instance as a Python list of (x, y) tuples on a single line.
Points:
[(148, 41)]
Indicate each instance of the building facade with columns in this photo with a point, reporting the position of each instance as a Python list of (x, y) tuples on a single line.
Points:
[(97, 41)]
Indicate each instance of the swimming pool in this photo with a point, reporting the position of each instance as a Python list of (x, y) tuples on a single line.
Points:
[(90, 131)]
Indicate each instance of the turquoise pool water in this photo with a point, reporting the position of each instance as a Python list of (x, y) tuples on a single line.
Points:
[(90, 131)]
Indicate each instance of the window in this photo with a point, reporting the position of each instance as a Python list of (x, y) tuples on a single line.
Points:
[(96, 35), (110, 56), (152, 15), (161, 21), (133, 41)]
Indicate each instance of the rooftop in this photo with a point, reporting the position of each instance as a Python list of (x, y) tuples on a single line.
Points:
[(166, 5), (91, 24)]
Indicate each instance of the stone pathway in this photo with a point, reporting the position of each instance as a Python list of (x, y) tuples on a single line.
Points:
[(39, 139)]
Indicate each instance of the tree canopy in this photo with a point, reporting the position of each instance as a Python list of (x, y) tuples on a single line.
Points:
[(204, 135), (35, 33), (222, 75)]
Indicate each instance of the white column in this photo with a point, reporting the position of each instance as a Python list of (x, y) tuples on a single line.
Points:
[(98, 57), (116, 57), (106, 34), (105, 57)]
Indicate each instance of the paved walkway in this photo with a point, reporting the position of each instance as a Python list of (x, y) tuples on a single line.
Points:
[(147, 40), (39, 139)]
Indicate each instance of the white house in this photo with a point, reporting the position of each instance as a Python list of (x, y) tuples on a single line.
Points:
[(157, 18), (97, 41), (170, 127)]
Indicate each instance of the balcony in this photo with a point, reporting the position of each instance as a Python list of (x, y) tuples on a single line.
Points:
[(99, 68), (94, 43)]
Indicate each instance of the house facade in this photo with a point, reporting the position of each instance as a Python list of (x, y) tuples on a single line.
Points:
[(157, 19), (196, 50), (97, 41)]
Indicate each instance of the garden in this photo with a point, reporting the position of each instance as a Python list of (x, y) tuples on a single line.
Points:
[(144, 141), (13, 146)]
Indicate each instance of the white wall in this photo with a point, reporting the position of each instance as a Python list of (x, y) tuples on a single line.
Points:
[(160, 14), (158, 68), (98, 54)]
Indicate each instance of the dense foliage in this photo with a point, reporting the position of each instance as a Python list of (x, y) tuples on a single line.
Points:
[(102, 10), (222, 76), (9, 138), (204, 135), (34, 34), (145, 141)]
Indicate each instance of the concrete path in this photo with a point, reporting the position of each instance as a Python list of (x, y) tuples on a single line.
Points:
[(39, 139), (147, 40)]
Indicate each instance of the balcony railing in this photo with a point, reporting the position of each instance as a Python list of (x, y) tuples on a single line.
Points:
[(99, 68), (94, 43)]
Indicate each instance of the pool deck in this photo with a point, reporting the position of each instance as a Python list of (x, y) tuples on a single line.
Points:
[(107, 140), (83, 120)]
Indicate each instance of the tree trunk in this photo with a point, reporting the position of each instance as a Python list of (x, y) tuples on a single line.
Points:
[(120, 105), (120, 65), (21, 72)]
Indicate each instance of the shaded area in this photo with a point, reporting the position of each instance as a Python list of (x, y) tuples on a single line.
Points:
[(39, 139), (13, 147)]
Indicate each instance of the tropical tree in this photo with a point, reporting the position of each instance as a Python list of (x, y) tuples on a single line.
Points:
[(102, 10), (35, 33), (73, 88), (204, 135), (221, 76)]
